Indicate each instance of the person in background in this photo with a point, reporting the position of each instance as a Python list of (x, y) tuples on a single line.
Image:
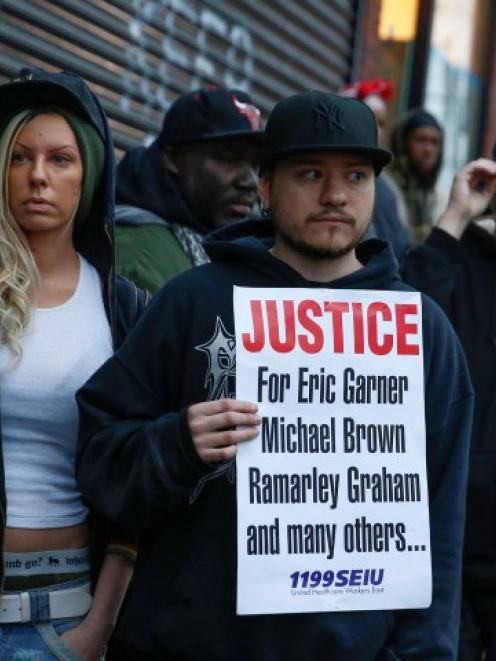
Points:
[(62, 313), (389, 220), (417, 146), (375, 93), (198, 174), (159, 449), (456, 266)]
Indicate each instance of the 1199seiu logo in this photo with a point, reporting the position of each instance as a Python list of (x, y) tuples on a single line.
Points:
[(350, 580)]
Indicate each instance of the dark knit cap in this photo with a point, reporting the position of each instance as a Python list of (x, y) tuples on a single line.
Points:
[(420, 119)]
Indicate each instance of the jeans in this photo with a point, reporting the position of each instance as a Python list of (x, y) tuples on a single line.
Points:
[(39, 641)]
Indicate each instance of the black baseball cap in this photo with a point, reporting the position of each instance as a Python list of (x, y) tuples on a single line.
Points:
[(210, 114), (322, 122)]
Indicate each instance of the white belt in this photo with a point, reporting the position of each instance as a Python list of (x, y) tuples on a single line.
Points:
[(72, 602)]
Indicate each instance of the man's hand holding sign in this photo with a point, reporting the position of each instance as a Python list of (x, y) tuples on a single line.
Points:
[(213, 427)]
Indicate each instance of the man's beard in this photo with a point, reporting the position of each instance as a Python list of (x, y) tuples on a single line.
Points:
[(322, 253)]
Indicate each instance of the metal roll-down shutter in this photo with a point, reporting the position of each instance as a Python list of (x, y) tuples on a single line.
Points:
[(138, 55)]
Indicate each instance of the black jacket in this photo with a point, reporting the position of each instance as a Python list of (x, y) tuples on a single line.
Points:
[(94, 237), (137, 464), (461, 277), (143, 181), (385, 223)]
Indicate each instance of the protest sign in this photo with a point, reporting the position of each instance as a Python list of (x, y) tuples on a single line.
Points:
[(332, 494)]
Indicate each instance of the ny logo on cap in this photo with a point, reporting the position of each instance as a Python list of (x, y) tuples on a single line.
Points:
[(24, 74), (330, 113), (251, 112)]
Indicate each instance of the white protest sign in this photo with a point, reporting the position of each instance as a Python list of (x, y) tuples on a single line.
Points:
[(332, 495)]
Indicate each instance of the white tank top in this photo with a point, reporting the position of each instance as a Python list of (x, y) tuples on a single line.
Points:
[(62, 347)]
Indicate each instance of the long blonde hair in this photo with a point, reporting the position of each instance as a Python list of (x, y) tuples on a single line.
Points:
[(19, 275)]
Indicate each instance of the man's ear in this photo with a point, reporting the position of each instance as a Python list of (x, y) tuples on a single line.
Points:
[(170, 160), (264, 190)]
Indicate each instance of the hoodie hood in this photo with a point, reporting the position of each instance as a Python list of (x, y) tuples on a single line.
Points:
[(247, 244), (415, 118), (419, 191), (34, 87), (143, 181)]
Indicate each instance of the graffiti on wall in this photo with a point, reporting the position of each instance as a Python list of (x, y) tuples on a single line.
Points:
[(151, 59)]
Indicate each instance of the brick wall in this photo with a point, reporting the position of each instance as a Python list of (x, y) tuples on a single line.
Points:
[(370, 56), (489, 137)]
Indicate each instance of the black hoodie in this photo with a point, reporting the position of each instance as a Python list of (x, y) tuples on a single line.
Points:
[(143, 181), (461, 277), (137, 464)]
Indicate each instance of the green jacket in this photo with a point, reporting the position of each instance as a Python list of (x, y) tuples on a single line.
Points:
[(151, 251), (149, 255)]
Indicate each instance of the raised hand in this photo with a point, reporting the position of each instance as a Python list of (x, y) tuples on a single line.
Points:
[(471, 192)]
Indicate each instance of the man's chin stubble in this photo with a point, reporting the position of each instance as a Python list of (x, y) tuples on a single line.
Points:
[(321, 253)]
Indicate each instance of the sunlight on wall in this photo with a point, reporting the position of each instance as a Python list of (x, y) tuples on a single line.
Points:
[(398, 20)]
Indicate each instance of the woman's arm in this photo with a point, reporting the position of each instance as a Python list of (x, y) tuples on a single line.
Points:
[(89, 638)]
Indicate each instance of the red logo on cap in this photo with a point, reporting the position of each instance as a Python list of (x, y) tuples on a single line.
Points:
[(251, 112)]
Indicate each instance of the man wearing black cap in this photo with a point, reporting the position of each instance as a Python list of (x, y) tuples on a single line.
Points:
[(199, 174), (158, 456)]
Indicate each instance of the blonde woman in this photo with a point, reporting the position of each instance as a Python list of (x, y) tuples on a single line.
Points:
[(62, 313)]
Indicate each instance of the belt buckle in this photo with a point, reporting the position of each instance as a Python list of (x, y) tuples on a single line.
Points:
[(25, 607)]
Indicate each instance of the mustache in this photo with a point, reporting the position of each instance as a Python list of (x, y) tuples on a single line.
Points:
[(325, 213)]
